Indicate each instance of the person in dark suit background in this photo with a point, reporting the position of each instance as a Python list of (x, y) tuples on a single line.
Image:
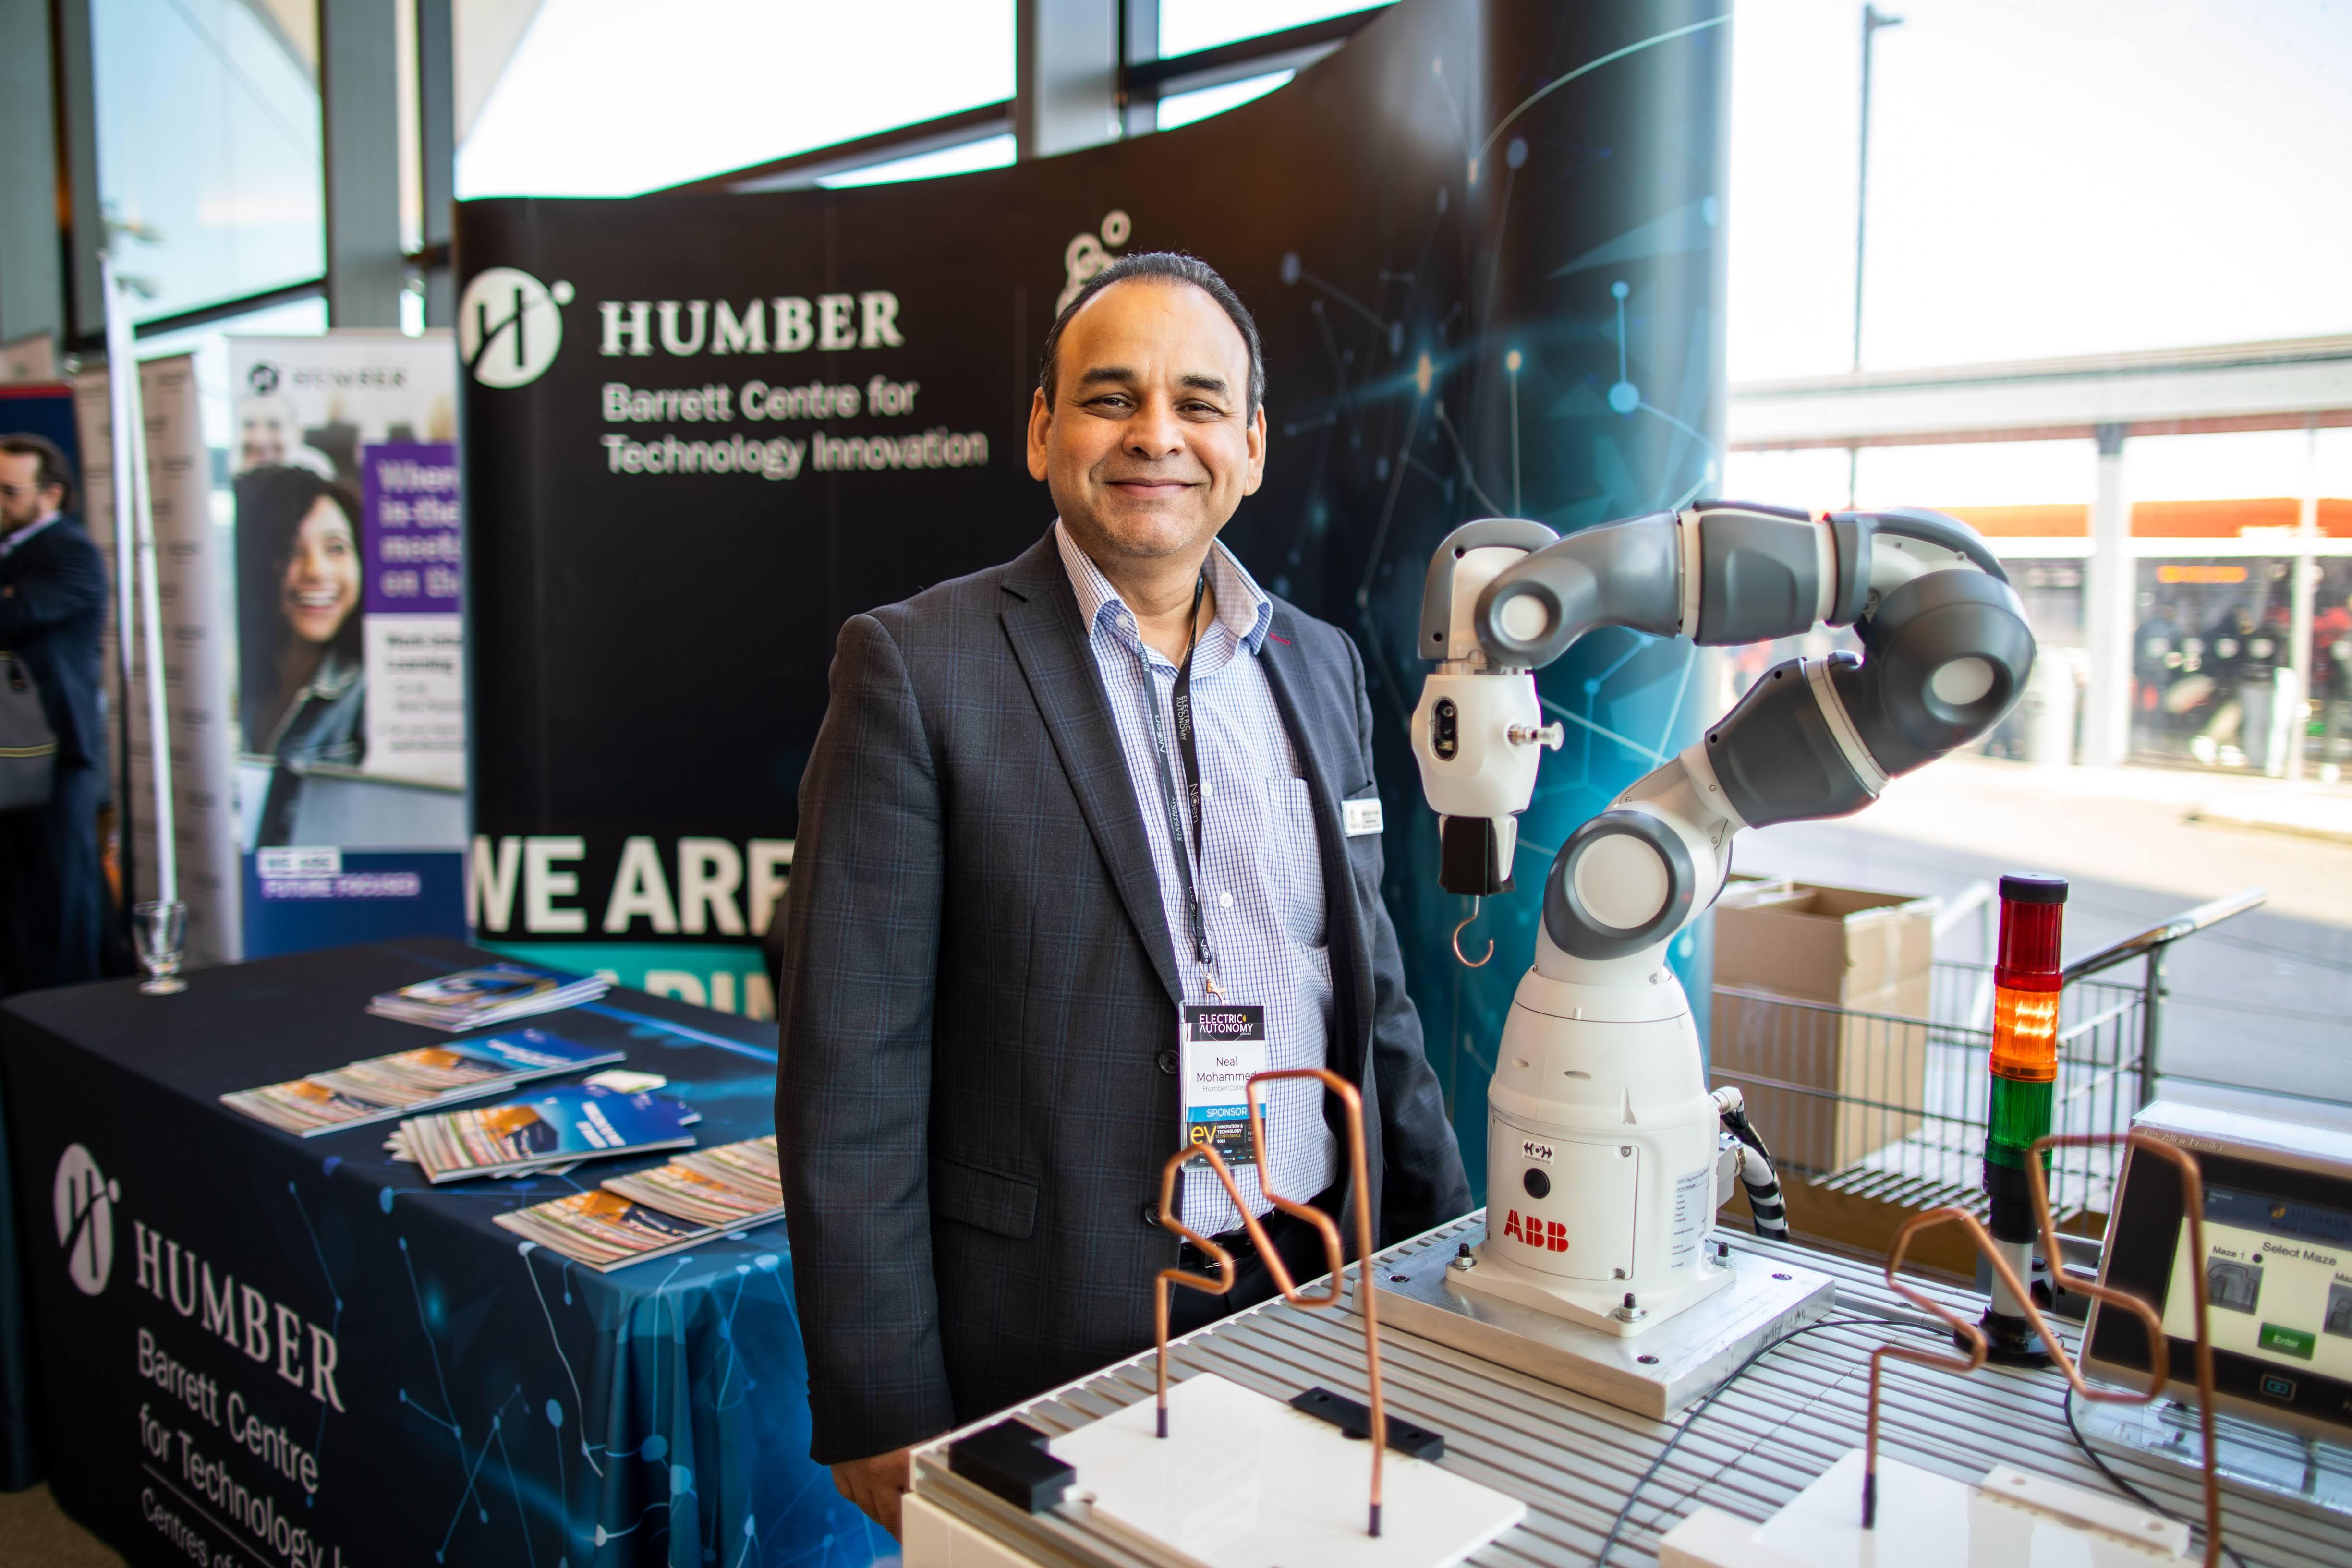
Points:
[(1009, 877), (52, 611)]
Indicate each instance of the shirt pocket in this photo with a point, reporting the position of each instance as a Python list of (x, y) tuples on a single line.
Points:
[(1292, 861)]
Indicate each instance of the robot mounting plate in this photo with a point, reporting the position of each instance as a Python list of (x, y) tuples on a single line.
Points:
[(1653, 1375)]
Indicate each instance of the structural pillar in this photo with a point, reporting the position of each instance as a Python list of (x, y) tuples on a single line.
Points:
[(2108, 593), (2307, 581), (77, 122), (32, 260), (359, 87), (1139, 34), (436, 102), (1065, 77)]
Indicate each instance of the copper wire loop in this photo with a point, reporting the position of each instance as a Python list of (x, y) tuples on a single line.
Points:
[(2192, 1203), (1352, 1105)]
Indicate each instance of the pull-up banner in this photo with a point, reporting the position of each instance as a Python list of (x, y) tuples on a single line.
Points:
[(1484, 242)]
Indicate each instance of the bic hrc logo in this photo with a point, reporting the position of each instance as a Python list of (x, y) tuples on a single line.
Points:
[(509, 325), (85, 1203)]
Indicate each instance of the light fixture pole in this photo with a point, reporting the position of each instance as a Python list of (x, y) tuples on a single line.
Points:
[(1872, 19)]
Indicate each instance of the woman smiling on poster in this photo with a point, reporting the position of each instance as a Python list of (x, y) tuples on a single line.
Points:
[(305, 684)]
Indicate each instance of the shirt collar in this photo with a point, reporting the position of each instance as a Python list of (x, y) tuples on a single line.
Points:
[(1243, 607), (11, 541)]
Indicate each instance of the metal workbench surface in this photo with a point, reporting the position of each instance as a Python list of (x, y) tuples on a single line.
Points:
[(1573, 1459)]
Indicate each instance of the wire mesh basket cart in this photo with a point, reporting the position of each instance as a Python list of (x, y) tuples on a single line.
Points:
[(1872, 1118)]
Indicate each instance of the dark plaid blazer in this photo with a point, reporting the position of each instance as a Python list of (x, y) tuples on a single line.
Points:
[(978, 1000)]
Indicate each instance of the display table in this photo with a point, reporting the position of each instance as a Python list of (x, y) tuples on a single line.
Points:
[(1575, 1461), (264, 1349)]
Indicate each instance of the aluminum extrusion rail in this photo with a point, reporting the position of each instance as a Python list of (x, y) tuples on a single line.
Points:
[(1571, 1459)]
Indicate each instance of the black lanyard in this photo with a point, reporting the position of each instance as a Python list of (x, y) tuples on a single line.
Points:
[(1188, 743)]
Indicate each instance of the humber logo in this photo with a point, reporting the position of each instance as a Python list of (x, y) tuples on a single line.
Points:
[(85, 1203), (509, 325)]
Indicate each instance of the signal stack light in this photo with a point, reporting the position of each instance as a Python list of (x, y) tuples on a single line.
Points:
[(2026, 982)]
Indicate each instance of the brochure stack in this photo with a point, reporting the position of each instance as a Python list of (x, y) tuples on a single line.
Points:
[(410, 1081), (561, 1127), (653, 1213), (494, 994)]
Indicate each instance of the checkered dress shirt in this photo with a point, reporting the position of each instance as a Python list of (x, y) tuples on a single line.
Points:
[(1260, 875)]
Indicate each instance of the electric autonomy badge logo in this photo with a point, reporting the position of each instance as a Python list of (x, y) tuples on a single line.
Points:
[(509, 325), (84, 1201)]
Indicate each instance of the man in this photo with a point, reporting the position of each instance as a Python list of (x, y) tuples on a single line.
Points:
[(2156, 664), (1013, 868), (52, 608)]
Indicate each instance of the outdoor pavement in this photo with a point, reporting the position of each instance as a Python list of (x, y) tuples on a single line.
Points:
[(2263, 1001)]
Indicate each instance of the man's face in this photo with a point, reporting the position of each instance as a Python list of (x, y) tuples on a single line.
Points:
[(24, 499), (1146, 448), (261, 433)]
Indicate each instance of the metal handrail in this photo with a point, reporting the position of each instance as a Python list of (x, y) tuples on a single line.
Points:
[(1979, 895), (2171, 931)]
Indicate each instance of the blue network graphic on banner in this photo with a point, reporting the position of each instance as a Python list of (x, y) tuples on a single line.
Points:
[(1541, 339)]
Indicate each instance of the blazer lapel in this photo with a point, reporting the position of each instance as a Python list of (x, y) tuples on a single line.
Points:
[(1040, 620), (1314, 731)]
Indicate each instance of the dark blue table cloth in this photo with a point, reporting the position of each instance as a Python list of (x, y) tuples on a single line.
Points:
[(275, 1350)]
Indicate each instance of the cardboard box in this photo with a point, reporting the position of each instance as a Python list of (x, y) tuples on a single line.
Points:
[(1825, 1087)]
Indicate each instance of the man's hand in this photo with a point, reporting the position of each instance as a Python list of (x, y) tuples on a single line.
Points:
[(876, 1484)]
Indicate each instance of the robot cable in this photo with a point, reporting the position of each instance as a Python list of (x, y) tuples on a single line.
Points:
[(1617, 1525), (2126, 1487)]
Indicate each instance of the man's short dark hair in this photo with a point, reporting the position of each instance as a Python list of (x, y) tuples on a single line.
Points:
[(1174, 267), (54, 468)]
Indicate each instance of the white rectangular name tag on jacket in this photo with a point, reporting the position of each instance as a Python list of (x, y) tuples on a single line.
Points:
[(1361, 817), (1224, 1045)]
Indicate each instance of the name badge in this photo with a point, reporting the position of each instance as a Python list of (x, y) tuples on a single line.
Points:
[(1224, 1045), (1361, 817)]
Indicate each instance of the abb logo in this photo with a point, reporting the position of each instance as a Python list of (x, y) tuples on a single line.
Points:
[(1547, 1235)]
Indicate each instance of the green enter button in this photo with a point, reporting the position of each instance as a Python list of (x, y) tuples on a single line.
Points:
[(2288, 1341)]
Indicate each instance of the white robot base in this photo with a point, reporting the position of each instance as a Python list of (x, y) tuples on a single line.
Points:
[(1595, 1306), (1753, 1298)]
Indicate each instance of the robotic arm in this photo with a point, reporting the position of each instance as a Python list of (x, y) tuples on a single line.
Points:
[(1948, 653), (1604, 1140)]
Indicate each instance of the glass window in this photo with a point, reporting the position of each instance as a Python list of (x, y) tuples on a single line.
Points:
[(2216, 213), (987, 153), (208, 133), (1184, 108), (1186, 25), (607, 97)]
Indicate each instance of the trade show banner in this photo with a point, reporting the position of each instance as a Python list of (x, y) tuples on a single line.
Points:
[(415, 654), (192, 587), (351, 717), (1483, 241), (45, 409)]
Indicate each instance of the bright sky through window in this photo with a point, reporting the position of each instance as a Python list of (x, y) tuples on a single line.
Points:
[(611, 97)]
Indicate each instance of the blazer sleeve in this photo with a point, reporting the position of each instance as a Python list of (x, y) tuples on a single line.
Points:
[(1422, 1182), (858, 971), (51, 587)]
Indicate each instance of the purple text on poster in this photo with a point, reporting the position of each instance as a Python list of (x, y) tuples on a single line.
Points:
[(409, 493)]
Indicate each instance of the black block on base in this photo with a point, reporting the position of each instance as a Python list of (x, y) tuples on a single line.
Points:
[(1354, 1418), (1010, 1460)]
